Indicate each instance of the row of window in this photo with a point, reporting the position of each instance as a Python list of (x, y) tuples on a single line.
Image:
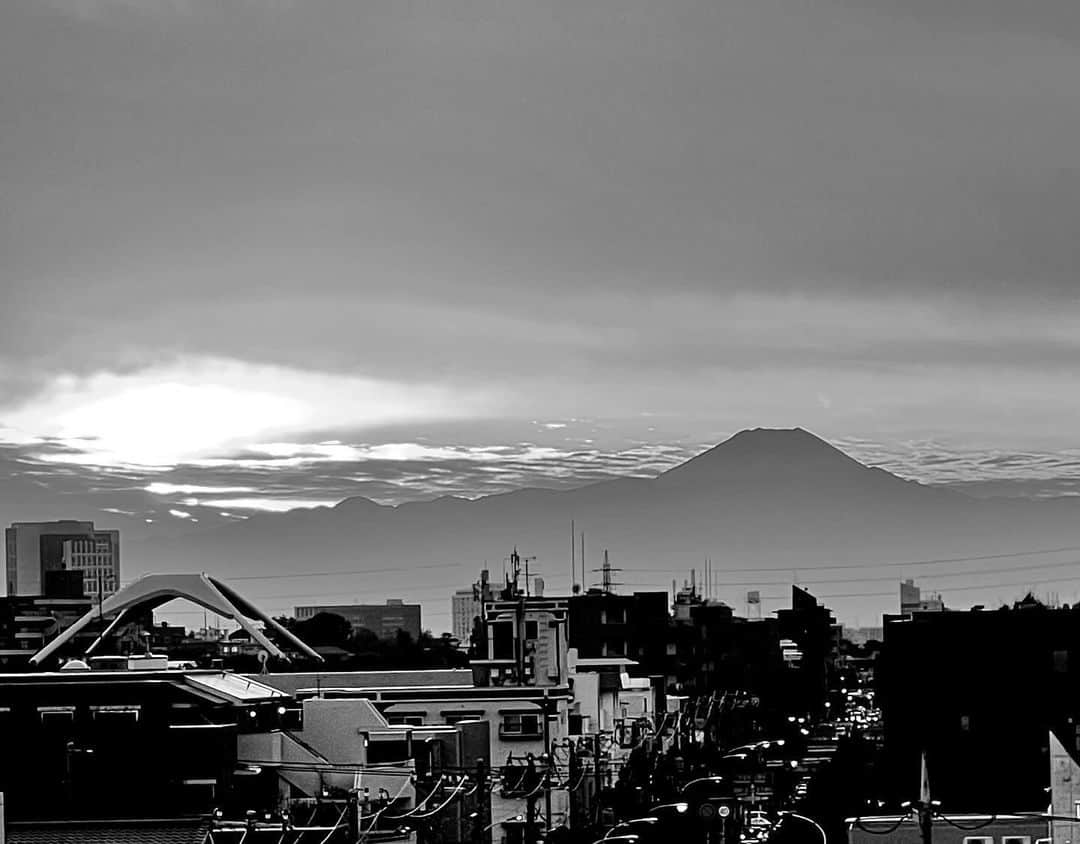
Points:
[(512, 725), (59, 715), (1005, 839)]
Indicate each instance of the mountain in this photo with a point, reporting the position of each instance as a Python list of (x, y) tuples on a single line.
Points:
[(760, 504)]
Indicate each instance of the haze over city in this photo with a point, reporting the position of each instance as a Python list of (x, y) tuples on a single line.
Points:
[(265, 256)]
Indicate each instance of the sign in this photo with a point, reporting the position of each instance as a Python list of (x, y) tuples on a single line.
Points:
[(753, 597)]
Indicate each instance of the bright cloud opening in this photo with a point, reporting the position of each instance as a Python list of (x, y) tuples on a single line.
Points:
[(270, 505), (159, 488), (202, 408)]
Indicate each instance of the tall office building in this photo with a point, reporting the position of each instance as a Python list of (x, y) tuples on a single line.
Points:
[(912, 601), (36, 549), (465, 607)]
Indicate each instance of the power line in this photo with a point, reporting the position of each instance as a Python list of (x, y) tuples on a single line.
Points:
[(894, 578), (897, 564)]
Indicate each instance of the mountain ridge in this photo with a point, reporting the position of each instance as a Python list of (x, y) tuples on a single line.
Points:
[(764, 500)]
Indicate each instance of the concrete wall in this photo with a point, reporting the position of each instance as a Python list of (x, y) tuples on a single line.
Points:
[(291, 683), (1065, 793)]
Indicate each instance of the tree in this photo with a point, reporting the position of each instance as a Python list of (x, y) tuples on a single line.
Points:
[(324, 628)]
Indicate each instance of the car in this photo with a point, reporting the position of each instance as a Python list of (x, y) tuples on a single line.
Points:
[(644, 828)]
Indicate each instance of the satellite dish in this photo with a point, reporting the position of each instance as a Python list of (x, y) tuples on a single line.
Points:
[(263, 656)]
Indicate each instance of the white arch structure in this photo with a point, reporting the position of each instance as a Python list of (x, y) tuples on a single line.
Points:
[(151, 591)]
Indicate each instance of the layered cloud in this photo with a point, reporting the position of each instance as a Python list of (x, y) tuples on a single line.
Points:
[(268, 260)]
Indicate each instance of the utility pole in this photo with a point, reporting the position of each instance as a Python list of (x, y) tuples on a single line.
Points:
[(530, 802), (925, 806), (352, 822), (483, 813), (597, 775), (547, 763)]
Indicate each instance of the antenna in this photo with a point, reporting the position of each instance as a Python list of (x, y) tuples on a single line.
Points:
[(584, 579), (607, 584), (573, 562)]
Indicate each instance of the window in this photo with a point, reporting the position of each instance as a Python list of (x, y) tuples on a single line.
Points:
[(532, 630), (502, 640), (408, 719), (520, 724), (381, 752), (1016, 839), (115, 714), (55, 715), (458, 717), (978, 839)]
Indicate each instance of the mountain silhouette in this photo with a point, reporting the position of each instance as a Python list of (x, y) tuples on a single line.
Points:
[(764, 500)]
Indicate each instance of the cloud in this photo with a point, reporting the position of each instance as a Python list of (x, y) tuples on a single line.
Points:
[(162, 488), (167, 415), (228, 230), (270, 505)]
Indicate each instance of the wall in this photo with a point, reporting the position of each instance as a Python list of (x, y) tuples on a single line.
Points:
[(1065, 793)]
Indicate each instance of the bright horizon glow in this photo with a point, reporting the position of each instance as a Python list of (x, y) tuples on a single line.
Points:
[(269, 505), (159, 488), (202, 408)]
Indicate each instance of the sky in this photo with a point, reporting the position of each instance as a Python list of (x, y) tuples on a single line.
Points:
[(262, 254)]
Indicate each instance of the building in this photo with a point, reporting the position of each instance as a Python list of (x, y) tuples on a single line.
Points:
[(116, 744), (911, 600), (604, 624), (465, 607), (813, 630), (959, 829), (519, 722), (732, 653), (980, 692), (33, 549), (29, 622), (384, 620), (863, 635)]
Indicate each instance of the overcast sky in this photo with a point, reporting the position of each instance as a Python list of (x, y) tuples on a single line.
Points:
[(467, 224)]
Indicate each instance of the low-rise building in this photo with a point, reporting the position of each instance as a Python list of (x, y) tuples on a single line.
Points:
[(82, 743), (384, 620)]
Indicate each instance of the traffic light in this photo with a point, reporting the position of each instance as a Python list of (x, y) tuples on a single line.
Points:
[(722, 819)]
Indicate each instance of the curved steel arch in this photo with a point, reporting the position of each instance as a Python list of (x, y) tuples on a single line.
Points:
[(153, 590)]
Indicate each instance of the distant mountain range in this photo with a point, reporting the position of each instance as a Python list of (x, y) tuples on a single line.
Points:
[(761, 504)]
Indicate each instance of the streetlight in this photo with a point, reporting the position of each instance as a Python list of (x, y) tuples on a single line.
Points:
[(504, 820)]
